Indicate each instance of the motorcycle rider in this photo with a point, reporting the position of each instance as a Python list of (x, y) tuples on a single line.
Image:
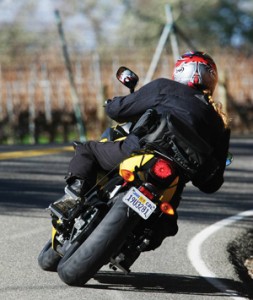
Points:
[(189, 96)]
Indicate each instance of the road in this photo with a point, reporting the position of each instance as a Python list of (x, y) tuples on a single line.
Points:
[(33, 178)]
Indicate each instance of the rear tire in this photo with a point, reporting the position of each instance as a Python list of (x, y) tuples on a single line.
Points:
[(82, 264)]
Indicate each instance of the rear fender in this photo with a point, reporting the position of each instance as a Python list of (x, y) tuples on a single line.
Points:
[(135, 161), (170, 191)]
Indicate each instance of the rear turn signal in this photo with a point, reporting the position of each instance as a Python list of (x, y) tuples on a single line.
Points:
[(127, 175), (162, 169), (167, 209)]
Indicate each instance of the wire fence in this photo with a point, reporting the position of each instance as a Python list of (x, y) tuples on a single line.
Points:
[(36, 106)]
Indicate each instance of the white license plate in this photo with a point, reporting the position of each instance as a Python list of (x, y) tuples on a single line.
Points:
[(139, 203)]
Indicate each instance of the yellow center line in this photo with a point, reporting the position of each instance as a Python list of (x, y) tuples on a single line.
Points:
[(31, 153)]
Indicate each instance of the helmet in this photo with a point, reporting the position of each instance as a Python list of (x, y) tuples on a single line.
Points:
[(197, 70)]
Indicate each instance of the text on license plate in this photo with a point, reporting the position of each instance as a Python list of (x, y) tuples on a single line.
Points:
[(139, 203)]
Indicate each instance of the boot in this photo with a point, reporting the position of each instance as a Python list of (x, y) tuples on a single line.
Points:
[(73, 196), (75, 190)]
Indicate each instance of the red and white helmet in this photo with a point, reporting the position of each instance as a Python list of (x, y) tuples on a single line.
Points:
[(197, 70)]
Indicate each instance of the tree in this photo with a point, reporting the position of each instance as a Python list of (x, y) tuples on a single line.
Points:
[(204, 23), (219, 22)]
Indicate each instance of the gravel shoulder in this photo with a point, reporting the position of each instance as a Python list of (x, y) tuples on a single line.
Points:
[(241, 256)]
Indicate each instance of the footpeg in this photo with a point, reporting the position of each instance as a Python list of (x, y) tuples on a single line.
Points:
[(116, 263)]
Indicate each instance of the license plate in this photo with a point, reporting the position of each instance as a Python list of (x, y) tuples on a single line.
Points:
[(139, 203)]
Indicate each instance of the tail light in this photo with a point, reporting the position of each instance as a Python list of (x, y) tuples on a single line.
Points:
[(146, 192), (162, 169)]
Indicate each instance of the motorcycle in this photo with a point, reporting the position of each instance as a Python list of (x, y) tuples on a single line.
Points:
[(116, 222)]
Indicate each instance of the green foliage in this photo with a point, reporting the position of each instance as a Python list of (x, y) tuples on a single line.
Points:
[(205, 23), (222, 23)]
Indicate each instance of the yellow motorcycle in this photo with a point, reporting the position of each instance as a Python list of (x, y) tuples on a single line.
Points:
[(118, 218)]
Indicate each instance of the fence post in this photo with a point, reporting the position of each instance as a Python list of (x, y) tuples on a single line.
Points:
[(168, 28), (31, 104), (46, 86), (74, 96), (99, 88), (222, 91), (173, 39), (10, 111)]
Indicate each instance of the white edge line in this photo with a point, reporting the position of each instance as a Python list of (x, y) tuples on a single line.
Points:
[(194, 254)]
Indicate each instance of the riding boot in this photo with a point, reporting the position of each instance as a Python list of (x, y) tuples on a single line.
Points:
[(76, 189), (74, 193)]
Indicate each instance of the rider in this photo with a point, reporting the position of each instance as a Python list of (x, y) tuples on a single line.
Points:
[(189, 96)]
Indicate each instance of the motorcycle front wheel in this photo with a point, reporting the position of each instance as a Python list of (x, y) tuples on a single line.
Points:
[(77, 267), (48, 259)]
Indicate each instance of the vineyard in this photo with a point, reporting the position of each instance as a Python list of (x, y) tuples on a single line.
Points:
[(36, 104)]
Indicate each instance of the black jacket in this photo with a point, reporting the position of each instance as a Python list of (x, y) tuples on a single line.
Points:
[(190, 105)]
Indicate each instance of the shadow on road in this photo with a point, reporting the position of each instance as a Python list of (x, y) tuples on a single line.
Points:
[(37, 187), (164, 283), (27, 194)]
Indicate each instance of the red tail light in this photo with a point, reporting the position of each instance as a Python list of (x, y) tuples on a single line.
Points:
[(162, 169), (146, 192)]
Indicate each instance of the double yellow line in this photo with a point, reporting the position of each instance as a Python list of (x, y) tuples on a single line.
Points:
[(31, 153)]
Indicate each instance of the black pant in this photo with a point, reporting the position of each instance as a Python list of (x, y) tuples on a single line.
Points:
[(92, 156)]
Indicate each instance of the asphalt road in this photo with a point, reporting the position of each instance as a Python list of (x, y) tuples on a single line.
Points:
[(32, 180)]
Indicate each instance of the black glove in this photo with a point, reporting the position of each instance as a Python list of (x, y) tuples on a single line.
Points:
[(145, 124)]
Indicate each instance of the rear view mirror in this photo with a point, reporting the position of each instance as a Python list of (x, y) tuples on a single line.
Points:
[(127, 77)]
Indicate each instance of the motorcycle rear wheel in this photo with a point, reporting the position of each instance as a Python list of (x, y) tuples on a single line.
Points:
[(77, 267)]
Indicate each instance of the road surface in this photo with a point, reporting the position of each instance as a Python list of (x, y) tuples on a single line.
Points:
[(193, 265)]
